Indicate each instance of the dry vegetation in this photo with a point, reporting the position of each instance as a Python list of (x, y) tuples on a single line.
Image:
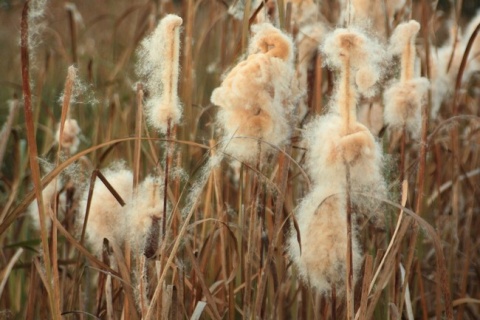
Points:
[(257, 178)]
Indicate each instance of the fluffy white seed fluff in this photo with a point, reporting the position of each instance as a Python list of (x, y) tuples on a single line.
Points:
[(403, 35), (403, 104), (328, 147), (322, 224), (145, 208), (107, 216), (321, 215), (70, 139), (402, 43), (403, 100), (257, 96), (159, 64), (370, 114), (360, 59), (49, 193)]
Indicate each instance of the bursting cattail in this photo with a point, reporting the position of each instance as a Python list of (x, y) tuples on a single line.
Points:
[(359, 60), (106, 218), (256, 97), (403, 100), (143, 215), (159, 64), (339, 147), (322, 224)]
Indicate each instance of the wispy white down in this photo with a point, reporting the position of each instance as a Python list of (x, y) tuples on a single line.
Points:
[(159, 66)]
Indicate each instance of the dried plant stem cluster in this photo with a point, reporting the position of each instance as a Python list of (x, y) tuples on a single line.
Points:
[(312, 103)]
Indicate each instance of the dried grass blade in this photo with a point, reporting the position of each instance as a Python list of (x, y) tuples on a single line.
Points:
[(197, 313), (367, 277), (34, 167), (440, 258), (6, 271)]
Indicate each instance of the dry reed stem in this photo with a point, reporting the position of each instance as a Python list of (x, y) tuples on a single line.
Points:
[(395, 234), (138, 134), (126, 285), (171, 256), (367, 277), (188, 64), (168, 159), (349, 254), (69, 83), (199, 274), (6, 271), (422, 293), (51, 287), (282, 180), (32, 293), (318, 83)]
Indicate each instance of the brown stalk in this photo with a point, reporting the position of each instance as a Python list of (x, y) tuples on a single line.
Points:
[(249, 261), (318, 82), (73, 33), (333, 303), (349, 254), (69, 83), (439, 255), (467, 260), (225, 248), (188, 65), (138, 134), (200, 276), (52, 289), (367, 277), (168, 159), (422, 293), (456, 154), (126, 285), (32, 293), (169, 261), (282, 179)]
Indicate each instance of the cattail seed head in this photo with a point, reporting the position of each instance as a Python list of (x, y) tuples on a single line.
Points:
[(403, 104), (360, 61), (257, 96), (106, 217), (159, 63), (322, 225), (403, 100), (143, 211), (403, 42)]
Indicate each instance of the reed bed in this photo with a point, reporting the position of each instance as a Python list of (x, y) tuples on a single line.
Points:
[(244, 159)]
